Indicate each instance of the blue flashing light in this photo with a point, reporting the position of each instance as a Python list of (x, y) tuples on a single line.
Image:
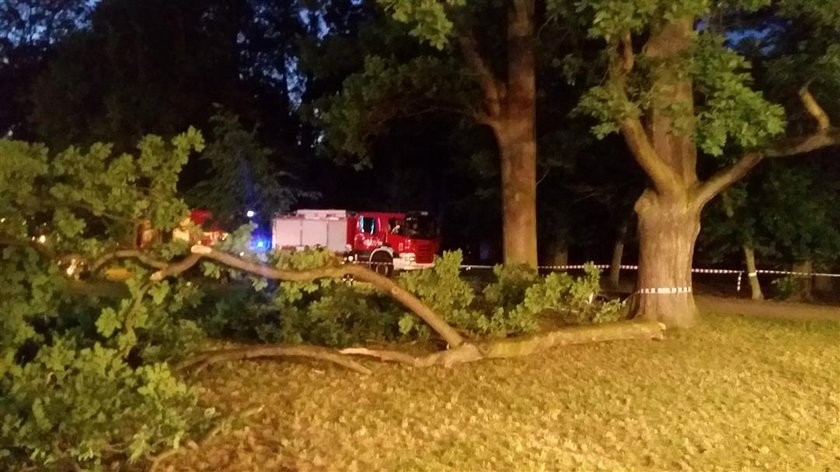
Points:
[(260, 244)]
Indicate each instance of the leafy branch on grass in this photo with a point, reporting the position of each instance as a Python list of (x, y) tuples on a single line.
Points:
[(459, 350)]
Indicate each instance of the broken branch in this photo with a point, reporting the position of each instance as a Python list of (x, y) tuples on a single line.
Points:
[(435, 321), (201, 361), (522, 345)]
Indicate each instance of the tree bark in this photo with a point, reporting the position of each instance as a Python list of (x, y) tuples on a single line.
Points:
[(668, 212), (617, 256), (519, 192), (517, 138), (668, 230), (752, 275), (805, 286), (510, 110)]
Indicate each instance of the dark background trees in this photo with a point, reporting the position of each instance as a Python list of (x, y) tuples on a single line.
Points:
[(287, 71)]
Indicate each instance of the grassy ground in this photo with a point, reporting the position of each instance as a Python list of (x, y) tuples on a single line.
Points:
[(732, 394)]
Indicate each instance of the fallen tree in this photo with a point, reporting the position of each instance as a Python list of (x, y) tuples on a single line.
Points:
[(458, 350), (93, 354)]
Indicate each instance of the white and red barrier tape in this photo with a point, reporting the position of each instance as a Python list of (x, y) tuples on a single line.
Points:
[(666, 290)]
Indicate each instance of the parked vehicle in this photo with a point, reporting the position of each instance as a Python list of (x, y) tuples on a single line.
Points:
[(389, 241)]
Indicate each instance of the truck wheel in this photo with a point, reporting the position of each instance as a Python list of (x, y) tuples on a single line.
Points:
[(382, 263)]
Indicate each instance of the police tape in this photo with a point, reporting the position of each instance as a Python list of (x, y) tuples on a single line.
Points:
[(699, 270)]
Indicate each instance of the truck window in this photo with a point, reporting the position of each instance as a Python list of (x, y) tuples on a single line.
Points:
[(367, 224), (396, 226)]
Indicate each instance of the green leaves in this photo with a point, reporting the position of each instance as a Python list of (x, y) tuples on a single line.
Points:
[(108, 322), (93, 401), (730, 111), (608, 104), (428, 18), (611, 18), (521, 297), (68, 393)]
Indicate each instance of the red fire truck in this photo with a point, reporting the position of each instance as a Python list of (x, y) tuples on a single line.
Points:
[(392, 241)]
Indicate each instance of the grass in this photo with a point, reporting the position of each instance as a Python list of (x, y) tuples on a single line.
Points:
[(732, 394)]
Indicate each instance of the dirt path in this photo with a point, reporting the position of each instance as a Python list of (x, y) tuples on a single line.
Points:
[(768, 309)]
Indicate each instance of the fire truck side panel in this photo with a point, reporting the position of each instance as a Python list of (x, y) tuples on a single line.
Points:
[(297, 232), (337, 235), (286, 232), (313, 233)]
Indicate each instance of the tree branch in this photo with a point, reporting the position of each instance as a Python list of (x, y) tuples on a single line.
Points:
[(176, 268), (127, 254), (435, 321), (201, 361), (814, 108), (493, 90), (627, 56), (726, 177), (664, 178), (818, 140), (521, 346), (824, 137), (40, 248)]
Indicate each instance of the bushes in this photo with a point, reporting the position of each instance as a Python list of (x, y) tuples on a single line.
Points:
[(569, 300), (443, 290), (520, 297)]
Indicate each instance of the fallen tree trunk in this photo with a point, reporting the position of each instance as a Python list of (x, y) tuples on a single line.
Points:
[(523, 345), (458, 351), (498, 349), (618, 331)]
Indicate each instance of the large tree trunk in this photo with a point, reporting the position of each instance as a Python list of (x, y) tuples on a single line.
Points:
[(669, 213), (510, 110), (519, 193), (752, 275), (668, 229), (518, 140)]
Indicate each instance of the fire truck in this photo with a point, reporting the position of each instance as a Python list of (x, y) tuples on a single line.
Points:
[(389, 241)]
